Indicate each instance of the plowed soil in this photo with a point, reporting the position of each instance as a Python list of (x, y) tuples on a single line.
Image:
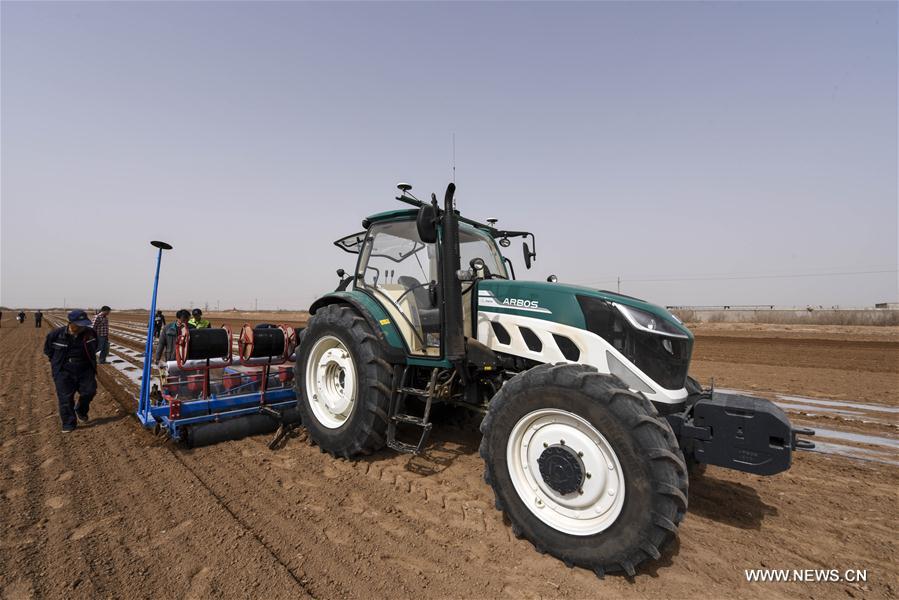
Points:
[(111, 511), (841, 363)]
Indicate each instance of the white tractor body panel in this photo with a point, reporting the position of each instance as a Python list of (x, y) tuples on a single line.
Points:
[(592, 348)]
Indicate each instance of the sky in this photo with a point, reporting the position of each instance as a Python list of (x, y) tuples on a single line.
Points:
[(703, 153)]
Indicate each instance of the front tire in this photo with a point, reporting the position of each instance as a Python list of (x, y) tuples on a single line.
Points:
[(343, 383), (585, 469)]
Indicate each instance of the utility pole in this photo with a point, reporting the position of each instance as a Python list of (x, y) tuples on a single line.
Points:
[(255, 304), (619, 284)]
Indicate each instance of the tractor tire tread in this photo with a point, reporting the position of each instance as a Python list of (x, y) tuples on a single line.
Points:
[(668, 472), (370, 425)]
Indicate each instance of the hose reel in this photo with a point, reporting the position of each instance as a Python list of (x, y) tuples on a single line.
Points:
[(202, 350), (198, 348), (265, 344)]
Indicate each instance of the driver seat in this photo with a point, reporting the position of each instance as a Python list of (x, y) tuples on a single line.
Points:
[(429, 316)]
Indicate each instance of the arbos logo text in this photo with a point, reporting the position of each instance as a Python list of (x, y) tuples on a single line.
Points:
[(521, 303)]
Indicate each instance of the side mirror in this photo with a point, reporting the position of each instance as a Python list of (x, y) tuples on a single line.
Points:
[(344, 281), (426, 223), (528, 255)]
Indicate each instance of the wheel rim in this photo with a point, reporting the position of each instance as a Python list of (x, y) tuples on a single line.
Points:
[(565, 472), (331, 382)]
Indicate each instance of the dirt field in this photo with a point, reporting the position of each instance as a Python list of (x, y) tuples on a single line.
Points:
[(109, 511)]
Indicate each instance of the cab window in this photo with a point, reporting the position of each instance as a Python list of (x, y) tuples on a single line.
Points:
[(400, 271), (477, 244)]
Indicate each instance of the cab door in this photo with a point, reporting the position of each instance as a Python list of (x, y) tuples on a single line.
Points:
[(400, 271)]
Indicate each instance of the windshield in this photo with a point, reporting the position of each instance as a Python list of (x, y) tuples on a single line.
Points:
[(474, 243), (401, 272)]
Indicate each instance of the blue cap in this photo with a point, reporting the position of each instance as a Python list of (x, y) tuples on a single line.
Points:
[(79, 317)]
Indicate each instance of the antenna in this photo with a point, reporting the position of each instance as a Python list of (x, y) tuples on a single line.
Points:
[(405, 189), (454, 157)]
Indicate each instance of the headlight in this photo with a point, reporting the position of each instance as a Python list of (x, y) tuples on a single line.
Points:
[(647, 321)]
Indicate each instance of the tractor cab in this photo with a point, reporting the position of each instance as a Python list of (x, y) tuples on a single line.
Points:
[(399, 270)]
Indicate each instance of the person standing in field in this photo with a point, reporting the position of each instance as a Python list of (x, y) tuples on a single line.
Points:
[(158, 323), (72, 350), (38, 318), (20, 317), (101, 328), (166, 347), (167, 344), (198, 321)]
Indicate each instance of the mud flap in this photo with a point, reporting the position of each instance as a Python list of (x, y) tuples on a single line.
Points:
[(738, 432)]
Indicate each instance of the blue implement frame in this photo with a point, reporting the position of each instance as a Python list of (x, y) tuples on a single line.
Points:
[(216, 409), (143, 403), (207, 410)]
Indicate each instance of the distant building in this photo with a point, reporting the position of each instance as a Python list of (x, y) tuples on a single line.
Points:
[(891, 305)]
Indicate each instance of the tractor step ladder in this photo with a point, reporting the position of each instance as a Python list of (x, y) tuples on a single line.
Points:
[(396, 417)]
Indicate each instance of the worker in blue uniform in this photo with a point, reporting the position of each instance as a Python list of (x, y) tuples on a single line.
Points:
[(72, 350), (165, 350)]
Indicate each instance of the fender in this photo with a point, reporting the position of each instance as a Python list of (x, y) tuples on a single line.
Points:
[(381, 323)]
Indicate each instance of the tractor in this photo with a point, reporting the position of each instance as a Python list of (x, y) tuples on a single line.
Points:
[(591, 426)]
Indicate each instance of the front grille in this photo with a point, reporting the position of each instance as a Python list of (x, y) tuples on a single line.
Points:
[(663, 358)]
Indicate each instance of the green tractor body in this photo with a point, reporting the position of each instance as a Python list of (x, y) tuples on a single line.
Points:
[(590, 420)]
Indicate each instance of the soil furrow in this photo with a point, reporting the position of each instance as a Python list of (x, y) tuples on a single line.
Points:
[(111, 511)]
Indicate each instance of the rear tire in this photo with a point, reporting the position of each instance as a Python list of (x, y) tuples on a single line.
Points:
[(610, 431), (343, 383)]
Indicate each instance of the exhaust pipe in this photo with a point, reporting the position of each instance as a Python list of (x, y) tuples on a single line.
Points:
[(453, 334)]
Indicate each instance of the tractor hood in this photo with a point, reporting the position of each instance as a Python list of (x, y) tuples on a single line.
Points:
[(571, 304)]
